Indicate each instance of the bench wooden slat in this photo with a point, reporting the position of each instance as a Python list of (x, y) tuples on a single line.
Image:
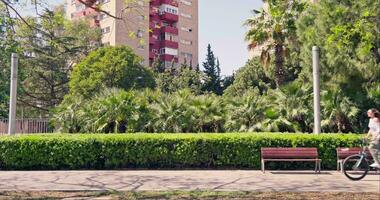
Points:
[(291, 160), (342, 153), (289, 153), (286, 154)]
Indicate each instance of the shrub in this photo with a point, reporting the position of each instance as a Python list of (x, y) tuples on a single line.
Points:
[(110, 67), (114, 151)]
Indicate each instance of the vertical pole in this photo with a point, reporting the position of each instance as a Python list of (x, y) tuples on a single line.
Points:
[(316, 90), (13, 96)]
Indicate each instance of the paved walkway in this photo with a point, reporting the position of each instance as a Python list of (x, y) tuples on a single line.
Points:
[(185, 180)]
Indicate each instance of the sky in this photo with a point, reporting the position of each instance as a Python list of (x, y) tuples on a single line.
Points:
[(221, 25)]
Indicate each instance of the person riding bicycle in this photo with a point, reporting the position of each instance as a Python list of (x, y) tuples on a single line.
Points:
[(374, 136)]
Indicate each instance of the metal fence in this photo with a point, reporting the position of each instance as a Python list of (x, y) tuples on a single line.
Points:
[(26, 126)]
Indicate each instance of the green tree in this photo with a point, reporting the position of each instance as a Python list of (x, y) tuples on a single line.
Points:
[(179, 79), (338, 112), (347, 33), (50, 52), (7, 46), (274, 30), (111, 111), (184, 112), (251, 76), (110, 67), (212, 71)]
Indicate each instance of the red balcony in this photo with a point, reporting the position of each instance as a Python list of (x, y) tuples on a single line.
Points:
[(169, 29), (153, 11), (170, 44), (153, 39), (169, 58), (169, 17), (152, 55), (86, 12), (170, 2)]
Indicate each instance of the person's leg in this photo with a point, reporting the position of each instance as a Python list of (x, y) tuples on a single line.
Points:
[(374, 150)]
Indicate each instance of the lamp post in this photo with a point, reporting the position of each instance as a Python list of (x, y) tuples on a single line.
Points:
[(13, 96), (316, 91)]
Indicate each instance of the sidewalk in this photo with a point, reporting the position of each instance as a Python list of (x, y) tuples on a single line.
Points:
[(281, 181)]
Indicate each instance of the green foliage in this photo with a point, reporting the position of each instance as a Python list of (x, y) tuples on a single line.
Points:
[(184, 112), (212, 70), (110, 67), (51, 48), (274, 30), (8, 45), (277, 110), (347, 33), (250, 76), (184, 77), (112, 111), (52, 152)]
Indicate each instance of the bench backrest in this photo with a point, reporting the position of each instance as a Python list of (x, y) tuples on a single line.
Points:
[(343, 153), (289, 153)]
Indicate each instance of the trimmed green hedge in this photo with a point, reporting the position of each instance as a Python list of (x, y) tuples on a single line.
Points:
[(90, 151)]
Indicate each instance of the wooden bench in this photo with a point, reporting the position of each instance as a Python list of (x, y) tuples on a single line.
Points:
[(343, 153), (290, 155)]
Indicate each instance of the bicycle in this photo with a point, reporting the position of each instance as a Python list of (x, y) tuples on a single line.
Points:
[(356, 167)]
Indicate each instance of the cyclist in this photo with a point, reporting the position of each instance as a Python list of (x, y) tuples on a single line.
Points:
[(374, 135)]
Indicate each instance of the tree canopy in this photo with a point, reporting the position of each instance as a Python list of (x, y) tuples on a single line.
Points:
[(110, 67)]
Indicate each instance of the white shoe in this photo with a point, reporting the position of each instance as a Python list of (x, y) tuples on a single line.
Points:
[(375, 165)]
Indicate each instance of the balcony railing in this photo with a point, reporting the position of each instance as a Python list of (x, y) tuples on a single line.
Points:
[(170, 44), (153, 39), (166, 57), (169, 17), (169, 29), (152, 55), (170, 2)]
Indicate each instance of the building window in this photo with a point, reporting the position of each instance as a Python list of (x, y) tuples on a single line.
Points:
[(102, 16), (106, 30), (186, 42), (103, 1), (186, 2), (141, 17), (187, 29), (140, 33), (186, 15), (140, 3), (168, 9), (79, 7)]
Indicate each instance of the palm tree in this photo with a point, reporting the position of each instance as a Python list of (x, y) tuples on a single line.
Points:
[(244, 112), (274, 30), (338, 112)]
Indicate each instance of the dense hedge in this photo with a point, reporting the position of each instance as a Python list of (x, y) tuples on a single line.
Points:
[(160, 150)]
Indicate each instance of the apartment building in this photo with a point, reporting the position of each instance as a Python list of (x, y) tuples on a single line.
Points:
[(155, 29)]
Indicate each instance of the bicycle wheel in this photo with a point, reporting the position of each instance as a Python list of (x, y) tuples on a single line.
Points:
[(355, 167)]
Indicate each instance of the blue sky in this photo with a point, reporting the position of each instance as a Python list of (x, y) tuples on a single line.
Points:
[(221, 25)]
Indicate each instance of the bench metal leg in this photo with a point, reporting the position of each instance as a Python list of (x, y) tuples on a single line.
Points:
[(337, 166), (263, 166), (316, 166)]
